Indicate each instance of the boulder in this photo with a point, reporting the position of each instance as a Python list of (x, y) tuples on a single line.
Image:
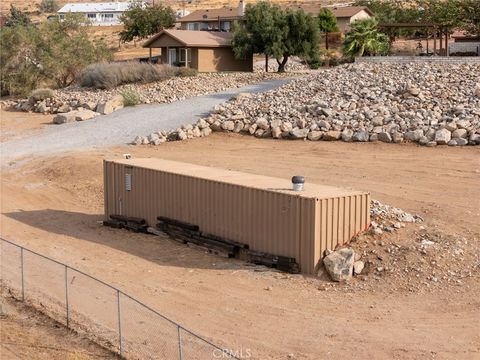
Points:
[(314, 135), (361, 135), (442, 136), (228, 125), (385, 137), (202, 124), (262, 123), (414, 135), (109, 106), (276, 133), (64, 118), (339, 264), (84, 114), (205, 131), (332, 135), (347, 135), (299, 133), (459, 133)]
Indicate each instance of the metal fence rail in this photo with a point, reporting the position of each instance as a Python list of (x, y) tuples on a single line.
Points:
[(98, 310)]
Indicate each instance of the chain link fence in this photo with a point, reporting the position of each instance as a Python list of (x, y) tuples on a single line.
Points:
[(98, 310)]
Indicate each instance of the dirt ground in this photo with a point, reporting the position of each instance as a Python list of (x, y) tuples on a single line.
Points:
[(15, 124), (27, 334), (54, 205)]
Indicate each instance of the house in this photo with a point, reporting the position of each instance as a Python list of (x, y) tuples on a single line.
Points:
[(213, 19), (345, 15), (99, 14), (464, 44), (205, 51)]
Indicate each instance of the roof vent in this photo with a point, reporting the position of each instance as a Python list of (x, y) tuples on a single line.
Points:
[(298, 183)]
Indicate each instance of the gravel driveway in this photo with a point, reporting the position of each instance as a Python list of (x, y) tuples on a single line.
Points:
[(121, 126)]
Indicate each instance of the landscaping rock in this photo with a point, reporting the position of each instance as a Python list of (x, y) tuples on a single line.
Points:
[(442, 136), (109, 106), (339, 264), (64, 118)]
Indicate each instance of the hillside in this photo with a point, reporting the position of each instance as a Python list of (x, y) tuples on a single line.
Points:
[(31, 5)]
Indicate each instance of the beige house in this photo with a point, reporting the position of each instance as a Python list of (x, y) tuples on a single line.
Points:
[(205, 51), (220, 19), (345, 15)]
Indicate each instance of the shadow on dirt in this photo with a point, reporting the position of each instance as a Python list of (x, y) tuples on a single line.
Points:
[(88, 227)]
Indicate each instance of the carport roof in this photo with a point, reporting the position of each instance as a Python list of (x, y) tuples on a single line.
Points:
[(190, 38)]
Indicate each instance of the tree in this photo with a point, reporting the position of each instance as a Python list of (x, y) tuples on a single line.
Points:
[(53, 53), (68, 49), (17, 17), (142, 21), (48, 6), (327, 23), (364, 39), (269, 30), (471, 17)]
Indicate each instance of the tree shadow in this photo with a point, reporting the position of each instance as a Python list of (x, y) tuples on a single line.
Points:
[(160, 250)]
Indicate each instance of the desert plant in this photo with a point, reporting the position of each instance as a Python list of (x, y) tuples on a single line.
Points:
[(42, 94), (365, 39), (131, 97), (183, 71), (110, 75)]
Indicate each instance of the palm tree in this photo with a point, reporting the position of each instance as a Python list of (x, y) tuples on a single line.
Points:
[(364, 39)]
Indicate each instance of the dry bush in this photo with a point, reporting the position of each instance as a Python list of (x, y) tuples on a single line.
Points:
[(42, 94), (131, 97), (108, 76), (187, 71)]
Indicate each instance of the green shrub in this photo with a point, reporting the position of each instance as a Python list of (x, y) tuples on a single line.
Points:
[(42, 94), (131, 97), (183, 71), (108, 76)]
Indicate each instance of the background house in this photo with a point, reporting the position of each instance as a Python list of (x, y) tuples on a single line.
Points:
[(205, 51), (213, 19), (99, 14)]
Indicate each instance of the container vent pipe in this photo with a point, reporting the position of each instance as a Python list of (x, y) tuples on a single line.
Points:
[(298, 183)]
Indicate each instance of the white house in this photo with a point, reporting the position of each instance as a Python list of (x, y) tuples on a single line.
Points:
[(99, 14)]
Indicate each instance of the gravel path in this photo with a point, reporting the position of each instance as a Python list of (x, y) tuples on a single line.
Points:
[(121, 126)]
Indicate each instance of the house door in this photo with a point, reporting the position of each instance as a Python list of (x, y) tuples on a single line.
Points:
[(172, 56)]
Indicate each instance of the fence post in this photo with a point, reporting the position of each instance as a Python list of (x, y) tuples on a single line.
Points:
[(66, 296), (119, 324), (179, 343), (23, 282)]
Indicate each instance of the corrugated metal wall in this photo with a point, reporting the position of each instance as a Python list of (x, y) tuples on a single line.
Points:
[(268, 221)]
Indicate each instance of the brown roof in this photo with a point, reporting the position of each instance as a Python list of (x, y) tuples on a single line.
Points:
[(339, 12), (192, 38), (211, 14)]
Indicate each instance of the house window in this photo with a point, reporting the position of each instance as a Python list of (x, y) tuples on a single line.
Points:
[(182, 55), (107, 17), (91, 16), (226, 25), (192, 26), (62, 16)]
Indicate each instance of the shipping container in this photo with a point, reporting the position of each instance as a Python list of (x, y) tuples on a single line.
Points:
[(259, 211)]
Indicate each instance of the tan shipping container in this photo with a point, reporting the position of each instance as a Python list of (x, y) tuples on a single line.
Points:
[(261, 211)]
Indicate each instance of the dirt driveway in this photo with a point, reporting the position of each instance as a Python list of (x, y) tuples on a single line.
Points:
[(53, 205)]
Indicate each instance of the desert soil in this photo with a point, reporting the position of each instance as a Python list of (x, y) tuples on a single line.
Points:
[(28, 334), (54, 204), (15, 124)]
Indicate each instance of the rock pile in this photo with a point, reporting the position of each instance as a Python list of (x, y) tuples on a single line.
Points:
[(428, 103), (343, 263), (167, 91), (293, 64)]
